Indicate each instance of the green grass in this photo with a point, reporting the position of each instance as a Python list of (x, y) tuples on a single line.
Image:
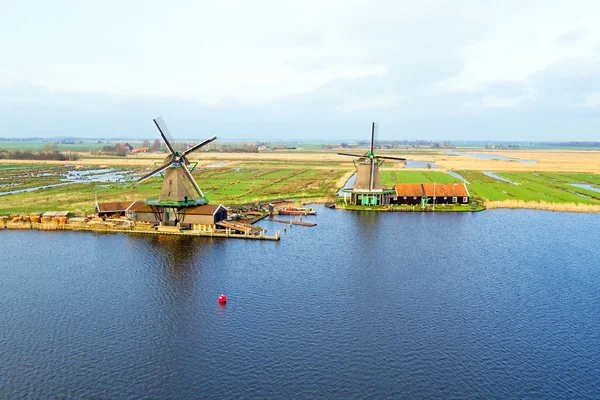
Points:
[(553, 188), (391, 178), (232, 185), (220, 185), (21, 166)]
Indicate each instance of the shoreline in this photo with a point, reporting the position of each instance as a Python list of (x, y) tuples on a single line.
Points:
[(103, 228)]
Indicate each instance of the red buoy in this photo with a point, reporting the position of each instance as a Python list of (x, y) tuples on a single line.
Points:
[(222, 299)]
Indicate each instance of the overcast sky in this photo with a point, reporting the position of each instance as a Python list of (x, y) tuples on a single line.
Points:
[(442, 70)]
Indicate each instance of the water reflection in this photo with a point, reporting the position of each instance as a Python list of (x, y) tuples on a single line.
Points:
[(381, 305)]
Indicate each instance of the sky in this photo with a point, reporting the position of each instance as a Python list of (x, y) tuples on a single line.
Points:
[(302, 70)]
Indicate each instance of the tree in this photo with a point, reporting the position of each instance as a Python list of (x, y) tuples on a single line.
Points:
[(155, 145), (121, 149)]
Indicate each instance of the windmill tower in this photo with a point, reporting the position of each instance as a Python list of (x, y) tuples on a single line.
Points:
[(179, 189), (367, 189)]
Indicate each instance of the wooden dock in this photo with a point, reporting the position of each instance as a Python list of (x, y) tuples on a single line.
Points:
[(291, 222), (219, 233)]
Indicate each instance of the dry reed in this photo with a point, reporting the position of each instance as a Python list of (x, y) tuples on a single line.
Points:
[(543, 205)]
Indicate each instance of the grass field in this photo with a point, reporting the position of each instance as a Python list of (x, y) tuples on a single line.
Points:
[(236, 178), (391, 178), (225, 185), (551, 188)]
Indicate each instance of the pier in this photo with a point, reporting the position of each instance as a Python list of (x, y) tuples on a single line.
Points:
[(218, 233)]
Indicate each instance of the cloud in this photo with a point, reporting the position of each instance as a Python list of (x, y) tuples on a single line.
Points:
[(590, 101)]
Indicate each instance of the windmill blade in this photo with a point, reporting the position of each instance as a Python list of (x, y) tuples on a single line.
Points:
[(156, 171), (392, 158), (191, 178), (164, 133), (351, 155), (196, 147), (373, 130)]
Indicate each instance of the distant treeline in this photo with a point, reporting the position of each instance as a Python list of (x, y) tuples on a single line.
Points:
[(572, 144), (238, 148), (50, 152)]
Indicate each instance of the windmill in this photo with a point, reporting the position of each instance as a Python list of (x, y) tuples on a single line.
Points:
[(179, 187), (367, 189)]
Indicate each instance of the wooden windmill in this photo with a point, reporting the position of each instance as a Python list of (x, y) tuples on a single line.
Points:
[(367, 189), (179, 187)]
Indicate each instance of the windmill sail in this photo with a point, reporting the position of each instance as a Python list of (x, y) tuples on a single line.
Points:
[(367, 168), (179, 187)]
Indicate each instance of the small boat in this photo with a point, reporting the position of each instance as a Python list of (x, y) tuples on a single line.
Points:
[(296, 211)]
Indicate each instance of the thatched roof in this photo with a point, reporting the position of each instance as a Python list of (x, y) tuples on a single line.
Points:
[(140, 206), (113, 207)]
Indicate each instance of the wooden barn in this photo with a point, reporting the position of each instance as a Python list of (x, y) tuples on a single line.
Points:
[(408, 193), (140, 211), (432, 193), (446, 193), (203, 217), (113, 209)]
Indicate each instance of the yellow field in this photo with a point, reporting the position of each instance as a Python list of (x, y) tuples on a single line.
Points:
[(548, 160), (543, 205)]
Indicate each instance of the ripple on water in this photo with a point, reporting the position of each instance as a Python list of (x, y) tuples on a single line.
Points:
[(388, 305)]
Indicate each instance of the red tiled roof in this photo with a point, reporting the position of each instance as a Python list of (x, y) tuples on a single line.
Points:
[(446, 190), (115, 206), (409, 190)]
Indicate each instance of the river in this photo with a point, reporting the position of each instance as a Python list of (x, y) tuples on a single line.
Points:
[(496, 304)]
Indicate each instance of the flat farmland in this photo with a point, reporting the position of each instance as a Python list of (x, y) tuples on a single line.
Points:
[(237, 178), (225, 185), (527, 186)]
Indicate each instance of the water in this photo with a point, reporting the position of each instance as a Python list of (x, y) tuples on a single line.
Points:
[(81, 176), (586, 186), (493, 175), (33, 189), (491, 157), (349, 184), (457, 176), (98, 175), (420, 164), (497, 304)]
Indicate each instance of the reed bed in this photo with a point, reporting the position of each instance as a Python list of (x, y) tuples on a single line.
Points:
[(18, 225), (543, 205)]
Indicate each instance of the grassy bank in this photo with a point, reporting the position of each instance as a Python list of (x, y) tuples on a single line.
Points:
[(543, 205), (241, 182), (227, 185)]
